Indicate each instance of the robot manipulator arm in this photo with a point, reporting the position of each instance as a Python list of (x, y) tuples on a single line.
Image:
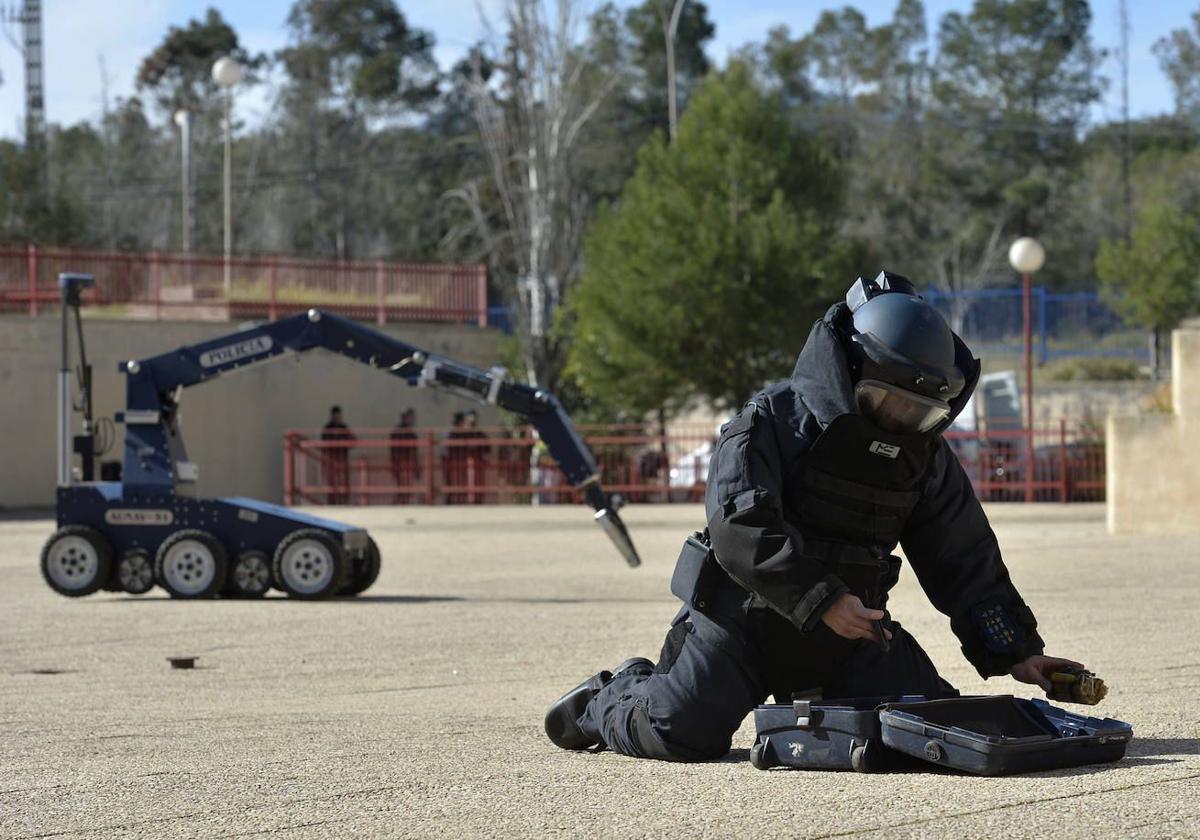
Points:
[(554, 427), (154, 385)]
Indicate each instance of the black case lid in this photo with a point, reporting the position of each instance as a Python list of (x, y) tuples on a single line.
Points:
[(1000, 734)]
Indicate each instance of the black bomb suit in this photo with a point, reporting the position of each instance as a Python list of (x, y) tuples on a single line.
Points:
[(806, 499)]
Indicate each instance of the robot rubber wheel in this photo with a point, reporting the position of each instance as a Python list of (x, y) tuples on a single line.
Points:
[(310, 564), (191, 564), (364, 570), (135, 572), (250, 575), (77, 561)]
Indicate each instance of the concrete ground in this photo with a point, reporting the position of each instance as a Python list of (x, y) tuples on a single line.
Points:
[(416, 710)]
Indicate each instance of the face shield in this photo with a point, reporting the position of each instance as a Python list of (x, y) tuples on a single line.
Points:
[(894, 409)]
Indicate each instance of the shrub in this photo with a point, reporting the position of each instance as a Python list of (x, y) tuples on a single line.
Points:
[(1098, 369)]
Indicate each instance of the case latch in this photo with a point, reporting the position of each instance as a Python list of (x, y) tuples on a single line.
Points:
[(803, 710)]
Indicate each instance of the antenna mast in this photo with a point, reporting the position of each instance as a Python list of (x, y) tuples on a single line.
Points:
[(30, 46), (1126, 138)]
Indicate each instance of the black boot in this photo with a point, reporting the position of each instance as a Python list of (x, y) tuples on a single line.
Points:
[(562, 718)]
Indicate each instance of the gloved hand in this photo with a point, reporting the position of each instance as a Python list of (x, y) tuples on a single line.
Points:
[(850, 619), (1036, 670)]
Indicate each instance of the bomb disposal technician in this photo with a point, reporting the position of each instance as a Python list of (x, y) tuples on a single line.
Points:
[(811, 488)]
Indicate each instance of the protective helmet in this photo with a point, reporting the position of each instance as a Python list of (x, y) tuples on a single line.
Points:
[(903, 355)]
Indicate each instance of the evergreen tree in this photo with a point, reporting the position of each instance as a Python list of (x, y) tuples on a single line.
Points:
[(1154, 280), (704, 279), (645, 26), (354, 69), (1179, 56), (1012, 85), (178, 73)]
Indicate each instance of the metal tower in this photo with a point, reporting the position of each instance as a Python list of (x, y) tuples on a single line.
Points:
[(30, 46)]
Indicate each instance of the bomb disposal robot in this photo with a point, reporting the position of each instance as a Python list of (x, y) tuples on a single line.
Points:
[(149, 527)]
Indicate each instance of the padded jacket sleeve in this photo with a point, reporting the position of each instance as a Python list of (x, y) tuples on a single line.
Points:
[(952, 549), (750, 538)]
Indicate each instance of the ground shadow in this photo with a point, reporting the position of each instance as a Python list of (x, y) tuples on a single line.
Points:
[(734, 756), (26, 514), (559, 600), (1163, 746), (280, 599), (394, 599), (46, 672), (421, 599), (1142, 752), (1109, 767)]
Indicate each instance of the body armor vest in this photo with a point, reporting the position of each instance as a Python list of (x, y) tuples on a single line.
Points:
[(853, 492)]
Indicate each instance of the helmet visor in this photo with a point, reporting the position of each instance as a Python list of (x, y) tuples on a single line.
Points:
[(896, 410)]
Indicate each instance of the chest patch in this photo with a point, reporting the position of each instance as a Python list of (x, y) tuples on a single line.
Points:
[(887, 450)]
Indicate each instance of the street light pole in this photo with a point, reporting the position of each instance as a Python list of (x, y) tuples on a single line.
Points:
[(183, 119), (1027, 307), (226, 72), (1026, 255), (228, 189)]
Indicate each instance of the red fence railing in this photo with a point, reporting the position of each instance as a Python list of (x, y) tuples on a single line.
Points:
[(500, 466), (1067, 461), (161, 285), (430, 466)]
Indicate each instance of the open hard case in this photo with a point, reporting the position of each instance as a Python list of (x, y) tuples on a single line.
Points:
[(989, 736)]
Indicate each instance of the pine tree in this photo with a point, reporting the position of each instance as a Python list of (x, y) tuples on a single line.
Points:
[(1154, 279), (704, 279)]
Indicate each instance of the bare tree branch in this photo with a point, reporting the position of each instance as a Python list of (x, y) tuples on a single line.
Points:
[(531, 122)]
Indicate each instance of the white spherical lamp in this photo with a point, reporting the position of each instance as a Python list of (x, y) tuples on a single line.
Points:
[(1027, 255), (226, 71)]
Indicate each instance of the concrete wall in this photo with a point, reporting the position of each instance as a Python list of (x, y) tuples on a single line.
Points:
[(1086, 400), (1052, 401), (233, 427), (1154, 459)]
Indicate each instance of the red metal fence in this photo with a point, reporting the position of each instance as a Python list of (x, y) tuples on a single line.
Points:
[(511, 466), (162, 286), (1067, 461), (501, 466)]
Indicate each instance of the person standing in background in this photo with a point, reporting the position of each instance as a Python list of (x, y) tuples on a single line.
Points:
[(454, 464), (337, 456), (474, 455), (406, 469)]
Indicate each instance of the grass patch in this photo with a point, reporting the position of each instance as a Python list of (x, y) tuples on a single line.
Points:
[(1092, 369)]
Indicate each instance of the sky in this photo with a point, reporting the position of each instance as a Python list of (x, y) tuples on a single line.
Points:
[(96, 45)]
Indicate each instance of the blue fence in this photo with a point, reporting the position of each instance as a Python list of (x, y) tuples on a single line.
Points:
[(1064, 324), (991, 321), (501, 317)]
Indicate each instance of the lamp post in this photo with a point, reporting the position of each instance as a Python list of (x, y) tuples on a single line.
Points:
[(183, 119), (226, 72), (1026, 256)]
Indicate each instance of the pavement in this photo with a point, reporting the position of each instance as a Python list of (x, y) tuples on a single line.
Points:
[(416, 710)]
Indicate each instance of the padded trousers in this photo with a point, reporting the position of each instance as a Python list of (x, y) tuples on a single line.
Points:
[(716, 667)]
